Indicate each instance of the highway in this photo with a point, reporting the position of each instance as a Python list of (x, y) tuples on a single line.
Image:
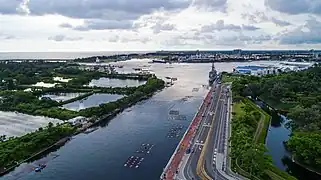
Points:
[(206, 161)]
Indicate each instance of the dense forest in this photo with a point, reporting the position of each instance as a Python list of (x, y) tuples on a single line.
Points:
[(24, 73), (299, 95)]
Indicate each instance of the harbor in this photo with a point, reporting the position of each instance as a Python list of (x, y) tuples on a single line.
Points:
[(149, 121)]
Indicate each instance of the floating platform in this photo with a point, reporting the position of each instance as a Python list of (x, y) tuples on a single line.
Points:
[(145, 148), (195, 89), (173, 112), (178, 117), (133, 162), (175, 131)]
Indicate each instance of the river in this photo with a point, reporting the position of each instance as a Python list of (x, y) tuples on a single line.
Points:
[(100, 155)]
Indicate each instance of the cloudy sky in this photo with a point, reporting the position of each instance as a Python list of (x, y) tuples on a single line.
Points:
[(122, 25)]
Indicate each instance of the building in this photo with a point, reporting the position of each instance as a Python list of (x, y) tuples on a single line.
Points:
[(77, 120), (260, 70)]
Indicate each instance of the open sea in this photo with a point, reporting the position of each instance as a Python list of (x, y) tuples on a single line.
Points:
[(60, 55)]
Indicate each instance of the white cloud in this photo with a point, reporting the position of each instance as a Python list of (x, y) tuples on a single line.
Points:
[(98, 25)]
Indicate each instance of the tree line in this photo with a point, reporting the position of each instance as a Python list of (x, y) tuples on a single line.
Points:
[(299, 95)]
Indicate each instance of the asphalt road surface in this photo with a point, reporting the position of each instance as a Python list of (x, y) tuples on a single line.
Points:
[(213, 125)]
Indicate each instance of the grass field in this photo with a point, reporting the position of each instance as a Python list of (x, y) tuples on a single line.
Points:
[(229, 78)]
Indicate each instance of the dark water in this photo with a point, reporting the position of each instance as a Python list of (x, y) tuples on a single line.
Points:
[(91, 101), (277, 134), (101, 154), (106, 82)]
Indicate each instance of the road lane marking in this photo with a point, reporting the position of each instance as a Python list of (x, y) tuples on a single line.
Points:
[(200, 164)]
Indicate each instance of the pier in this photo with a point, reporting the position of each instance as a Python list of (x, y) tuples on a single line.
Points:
[(172, 166)]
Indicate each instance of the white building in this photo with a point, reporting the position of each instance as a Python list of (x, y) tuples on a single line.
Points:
[(77, 120)]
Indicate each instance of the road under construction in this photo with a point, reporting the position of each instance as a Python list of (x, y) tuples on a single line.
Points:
[(202, 153)]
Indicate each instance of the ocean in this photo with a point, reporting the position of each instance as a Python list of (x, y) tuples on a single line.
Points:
[(61, 55)]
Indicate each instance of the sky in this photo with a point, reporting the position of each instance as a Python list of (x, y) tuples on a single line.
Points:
[(147, 25)]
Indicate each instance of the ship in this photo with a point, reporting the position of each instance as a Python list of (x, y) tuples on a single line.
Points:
[(212, 74), (158, 61)]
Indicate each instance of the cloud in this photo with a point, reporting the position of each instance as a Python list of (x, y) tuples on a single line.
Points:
[(220, 26), (309, 33), (295, 6), (65, 25), (256, 17), (6, 36), (9, 6), (23, 7), (61, 37), (143, 40), (280, 22), (96, 24), (211, 5), (157, 28), (259, 17), (114, 39), (249, 27), (93, 9)]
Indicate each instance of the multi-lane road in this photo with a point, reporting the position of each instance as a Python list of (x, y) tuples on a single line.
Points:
[(209, 145)]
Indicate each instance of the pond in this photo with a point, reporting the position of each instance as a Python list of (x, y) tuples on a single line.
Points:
[(17, 124), (107, 82), (59, 97), (92, 101), (277, 134)]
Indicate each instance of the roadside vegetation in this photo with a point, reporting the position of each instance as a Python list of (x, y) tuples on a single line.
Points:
[(299, 95), (249, 129)]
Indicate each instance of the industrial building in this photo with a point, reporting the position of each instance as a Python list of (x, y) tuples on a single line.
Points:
[(260, 70)]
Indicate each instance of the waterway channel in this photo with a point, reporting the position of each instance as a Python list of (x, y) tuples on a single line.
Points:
[(101, 155)]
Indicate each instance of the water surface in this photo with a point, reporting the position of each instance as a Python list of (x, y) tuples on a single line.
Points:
[(92, 101)]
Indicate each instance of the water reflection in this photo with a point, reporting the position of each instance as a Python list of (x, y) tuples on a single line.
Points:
[(91, 101)]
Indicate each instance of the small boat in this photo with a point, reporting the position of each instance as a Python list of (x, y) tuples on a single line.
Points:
[(40, 167)]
